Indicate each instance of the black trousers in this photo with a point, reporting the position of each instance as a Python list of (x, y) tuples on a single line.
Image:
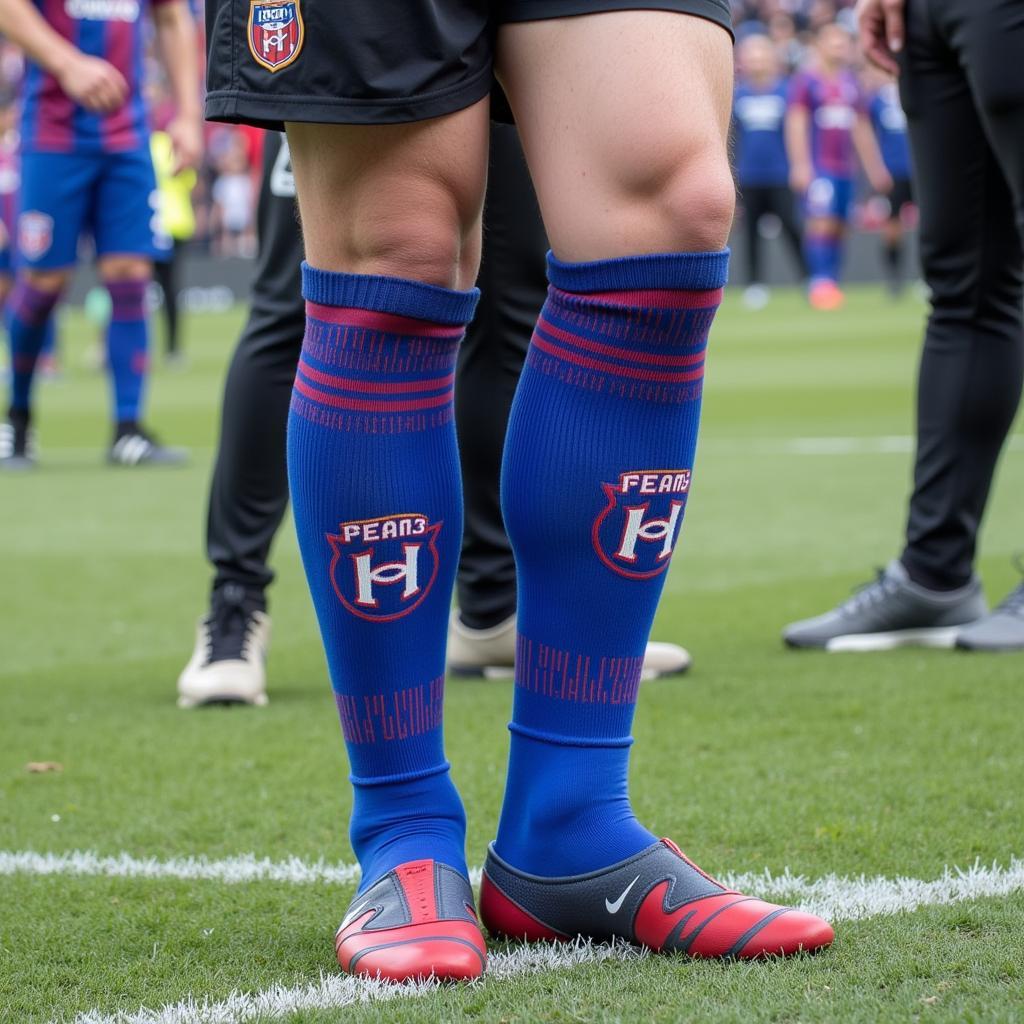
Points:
[(962, 86), (758, 201), (249, 491)]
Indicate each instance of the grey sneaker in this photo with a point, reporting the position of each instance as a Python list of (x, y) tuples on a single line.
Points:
[(1001, 630), (891, 611)]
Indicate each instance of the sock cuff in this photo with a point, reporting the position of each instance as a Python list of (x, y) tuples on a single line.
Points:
[(691, 271), (128, 299), (369, 781), (557, 740), (394, 295), (31, 305)]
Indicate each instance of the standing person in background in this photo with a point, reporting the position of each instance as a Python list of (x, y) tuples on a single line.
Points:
[(890, 125), (826, 128), (762, 170), (959, 64), (249, 491), (86, 166), (178, 220)]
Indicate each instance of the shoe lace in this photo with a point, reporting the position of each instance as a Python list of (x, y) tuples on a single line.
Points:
[(230, 626), (872, 593)]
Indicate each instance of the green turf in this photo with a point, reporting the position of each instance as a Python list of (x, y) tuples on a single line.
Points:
[(885, 764)]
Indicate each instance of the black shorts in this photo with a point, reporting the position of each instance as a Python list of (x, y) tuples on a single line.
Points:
[(372, 61), (901, 195)]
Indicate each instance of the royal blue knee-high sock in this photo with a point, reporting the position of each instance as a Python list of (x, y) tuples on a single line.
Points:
[(375, 485), (30, 310), (597, 470), (821, 251), (127, 348)]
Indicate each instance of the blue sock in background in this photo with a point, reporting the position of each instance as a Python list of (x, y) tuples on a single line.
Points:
[(29, 314), (377, 495), (128, 348), (597, 468)]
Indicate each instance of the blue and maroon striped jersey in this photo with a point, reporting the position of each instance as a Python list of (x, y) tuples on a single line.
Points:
[(51, 121), (834, 104)]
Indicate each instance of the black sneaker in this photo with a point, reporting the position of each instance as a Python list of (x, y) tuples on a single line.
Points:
[(228, 662), (17, 442), (134, 446)]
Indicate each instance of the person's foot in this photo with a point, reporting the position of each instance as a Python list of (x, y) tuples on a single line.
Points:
[(491, 653), (417, 921), (228, 663), (1001, 630), (891, 611), (756, 296), (134, 446), (826, 295), (658, 898), (17, 442)]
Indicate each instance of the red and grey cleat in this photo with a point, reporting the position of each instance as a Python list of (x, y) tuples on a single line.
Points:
[(658, 898), (415, 922)]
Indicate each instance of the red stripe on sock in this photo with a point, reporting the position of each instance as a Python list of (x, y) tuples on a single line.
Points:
[(380, 405), (375, 387), (653, 298), (620, 353), (386, 323), (612, 368)]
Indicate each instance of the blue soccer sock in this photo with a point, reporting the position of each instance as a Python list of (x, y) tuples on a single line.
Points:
[(128, 348), (30, 313), (818, 251), (377, 494), (597, 469)]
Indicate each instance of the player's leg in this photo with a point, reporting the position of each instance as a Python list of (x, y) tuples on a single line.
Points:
[(755, 206), (249, 490), (125, 227), (166, 273), (390, 216), (52, 205), (598, 461), (989, 38), (826, 206), (783, 206)]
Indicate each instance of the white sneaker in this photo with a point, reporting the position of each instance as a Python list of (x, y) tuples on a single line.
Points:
[(228, 663), (491, 653)]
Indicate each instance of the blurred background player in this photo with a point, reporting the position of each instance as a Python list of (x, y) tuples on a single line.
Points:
[(890, 125), (178, 221), (249, 490), (86, 166), (762, 169), (961, 85), (826, 128)]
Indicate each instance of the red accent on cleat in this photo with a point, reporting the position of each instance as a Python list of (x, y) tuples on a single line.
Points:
[(505, 919), (415, 922), (790, 933)]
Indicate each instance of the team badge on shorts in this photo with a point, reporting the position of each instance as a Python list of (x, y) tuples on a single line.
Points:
[(384, 568), (35, 234), (634, 534), (276, 32)]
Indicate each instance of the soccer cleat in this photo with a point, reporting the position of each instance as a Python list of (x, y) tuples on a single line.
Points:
[(227, 664), (826, 295), (1001, 630), (658, 899), (417, 921), (17, 443), (891, 611), (134, 446), (491, 653)]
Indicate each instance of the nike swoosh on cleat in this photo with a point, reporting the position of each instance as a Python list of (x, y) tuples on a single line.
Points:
[(352, 915), (613, 908)]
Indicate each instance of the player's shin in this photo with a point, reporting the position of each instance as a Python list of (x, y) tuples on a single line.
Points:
[(374, 476), (127, 350), (597, 473), (30, 309)]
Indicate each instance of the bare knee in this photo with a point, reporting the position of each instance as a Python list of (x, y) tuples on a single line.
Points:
[(697, 205), (125, 268), (52, 281)]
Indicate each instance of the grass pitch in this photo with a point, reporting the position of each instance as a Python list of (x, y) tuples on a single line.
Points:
[(889, 764)]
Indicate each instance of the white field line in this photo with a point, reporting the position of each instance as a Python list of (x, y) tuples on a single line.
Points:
[(834, 897)]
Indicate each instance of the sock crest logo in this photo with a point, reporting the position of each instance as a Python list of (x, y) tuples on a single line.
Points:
[(635, 533), (382, 569)]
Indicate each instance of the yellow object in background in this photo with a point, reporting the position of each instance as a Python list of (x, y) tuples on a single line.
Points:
[(177, 217)]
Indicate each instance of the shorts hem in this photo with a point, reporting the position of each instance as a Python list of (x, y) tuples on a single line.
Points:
[(544, 10), (265, 111)]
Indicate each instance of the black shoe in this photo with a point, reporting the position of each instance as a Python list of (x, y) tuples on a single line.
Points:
[(134, 446), (227, 663), (17, 442)]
